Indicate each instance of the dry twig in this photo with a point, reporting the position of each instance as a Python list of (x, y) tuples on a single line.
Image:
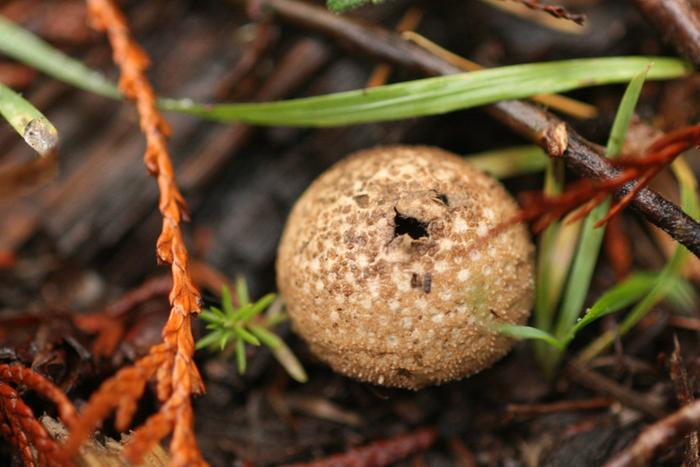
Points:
[(553, 10), (678, 22), (379, 453), (658, 436), (170, 362), (684, 395)]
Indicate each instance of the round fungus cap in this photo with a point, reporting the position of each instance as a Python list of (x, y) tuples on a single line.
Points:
[(386, 272)]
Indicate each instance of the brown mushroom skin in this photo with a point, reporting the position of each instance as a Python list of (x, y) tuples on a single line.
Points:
[(386, 273)]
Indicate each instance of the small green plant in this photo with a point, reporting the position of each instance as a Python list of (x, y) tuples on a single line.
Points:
[(239, 322)]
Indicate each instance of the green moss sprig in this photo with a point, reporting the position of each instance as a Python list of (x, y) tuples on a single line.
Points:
[(239, 322)]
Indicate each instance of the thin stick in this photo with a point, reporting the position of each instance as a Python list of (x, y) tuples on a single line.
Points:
[(658, 436), (678, 22)]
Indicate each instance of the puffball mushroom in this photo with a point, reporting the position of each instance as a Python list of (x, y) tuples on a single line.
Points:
[(386, 272)]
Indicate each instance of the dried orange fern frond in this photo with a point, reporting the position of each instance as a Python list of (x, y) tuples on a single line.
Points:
[(19, 426), (586, 194), (170, 363)]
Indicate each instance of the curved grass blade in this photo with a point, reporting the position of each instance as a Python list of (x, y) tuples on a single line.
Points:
[(25, 47), (439, 95), (409, 99), (528, 332), (592, 237)]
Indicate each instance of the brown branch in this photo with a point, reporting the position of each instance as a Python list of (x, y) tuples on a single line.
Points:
[(582, 157), (678, 22), (552, 10), (170, 362), (379, 453), (658, 437), (684, 395), (593, 380)]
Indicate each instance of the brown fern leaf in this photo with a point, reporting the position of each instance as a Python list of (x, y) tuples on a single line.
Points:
[(180, 379), (18, 424)]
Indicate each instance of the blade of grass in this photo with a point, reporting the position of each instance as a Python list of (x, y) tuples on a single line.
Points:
[(591, 237), (510, 162), (391, 102), (628, 292), (438, 95), (528, 332), (546, 294), (25, 47)]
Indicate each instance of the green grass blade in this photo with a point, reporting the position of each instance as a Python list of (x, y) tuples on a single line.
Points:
[(528, 332), (544, 296), (592, 237), (391, 102), (510, 162), (27, 48), (36, 130), (618, 297), (439, 95)]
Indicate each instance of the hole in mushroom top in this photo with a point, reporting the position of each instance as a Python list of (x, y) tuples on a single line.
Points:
[(409, 226), (443, 199)]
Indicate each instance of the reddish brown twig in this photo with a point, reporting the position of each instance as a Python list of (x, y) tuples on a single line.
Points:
[(170, 362), (379, 453), (526, 410), (17, 422), (553, 10), (586, 194), (659, 436)]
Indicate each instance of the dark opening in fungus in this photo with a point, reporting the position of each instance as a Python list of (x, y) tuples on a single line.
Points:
[(410, 226)]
